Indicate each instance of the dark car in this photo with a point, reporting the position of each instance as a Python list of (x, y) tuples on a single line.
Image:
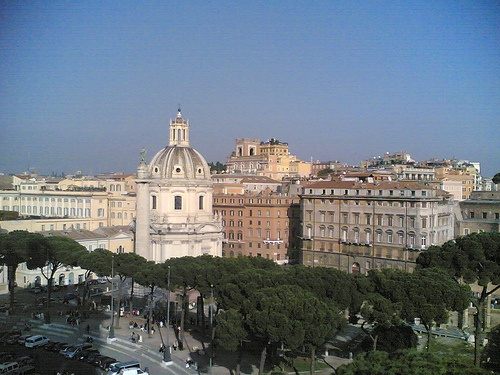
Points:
[(97, 360), (92, 356), (106, 362), (85, 354)]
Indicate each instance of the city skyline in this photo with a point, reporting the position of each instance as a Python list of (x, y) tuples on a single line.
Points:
[(85, 86)]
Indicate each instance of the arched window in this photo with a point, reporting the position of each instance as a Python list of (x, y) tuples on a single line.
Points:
[(153, 202), (200, 202), (178, 202)]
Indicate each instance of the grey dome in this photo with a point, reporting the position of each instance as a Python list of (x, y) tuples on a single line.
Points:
[(179, 162)]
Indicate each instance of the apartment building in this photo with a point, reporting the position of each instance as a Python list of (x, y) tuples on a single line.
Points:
[(479, 213), (355, 226), (263, 225), (59, 204), (271, 159)]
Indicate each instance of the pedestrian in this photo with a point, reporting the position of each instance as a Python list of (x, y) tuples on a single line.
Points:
[(140, 337), (174, 345)]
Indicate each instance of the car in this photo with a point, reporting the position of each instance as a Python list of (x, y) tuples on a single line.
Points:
[(12, 339), (22, 339), (25, 360), (85, 353), (117, 368), (37, 290), (92, 356), (36, 341), (97, 359), (105, 363), (75, 350)]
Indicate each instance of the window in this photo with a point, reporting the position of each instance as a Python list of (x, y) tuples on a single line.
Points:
[(485, 215), (344, 218), (424, 222), (389, 220), (178, 202), (153, 202), (424, 241), (389, 237), (368, 219), (472, 215), (200, 202)]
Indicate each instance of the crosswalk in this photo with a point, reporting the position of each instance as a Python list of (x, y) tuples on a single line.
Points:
[(120, 348)]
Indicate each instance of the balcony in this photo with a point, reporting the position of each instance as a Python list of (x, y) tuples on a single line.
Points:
[(272, 242)]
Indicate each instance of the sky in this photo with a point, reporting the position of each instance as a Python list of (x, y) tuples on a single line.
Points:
[(85, 85)]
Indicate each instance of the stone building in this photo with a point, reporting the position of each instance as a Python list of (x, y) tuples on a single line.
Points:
[(174, 201), (263, 225), (479, 213), (355, 226)]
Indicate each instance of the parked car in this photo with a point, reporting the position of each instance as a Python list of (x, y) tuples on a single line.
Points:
[(73, 351), (106, 363), (22, 339), (36, 341), (85, 354), (37, 290)]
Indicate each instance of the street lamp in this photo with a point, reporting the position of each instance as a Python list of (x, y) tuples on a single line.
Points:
[(211, 326), (167, 357), (111, 336)]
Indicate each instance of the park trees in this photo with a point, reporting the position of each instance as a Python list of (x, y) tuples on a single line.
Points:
[(290, 316), (425, 294), (58, 252), (14, 249), (125, 265), (474, 258), (151, 275), (408, 362)]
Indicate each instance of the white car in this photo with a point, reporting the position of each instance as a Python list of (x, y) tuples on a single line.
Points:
[(35, 341)]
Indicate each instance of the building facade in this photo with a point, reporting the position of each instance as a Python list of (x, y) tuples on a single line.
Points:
[(479, 213), (263, 225), (271, 159), (357, 226), (174, 201)]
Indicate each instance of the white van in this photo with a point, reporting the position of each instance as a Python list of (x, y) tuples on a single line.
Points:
[(8, 367), (115, 368), (36, 340)]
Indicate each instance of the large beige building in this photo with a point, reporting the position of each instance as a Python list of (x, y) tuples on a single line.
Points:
[(174, 201), (356, 226), (271, 159)]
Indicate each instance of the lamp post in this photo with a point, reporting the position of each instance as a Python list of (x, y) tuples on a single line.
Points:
[(111, 336), (211, 326), (167, 357)]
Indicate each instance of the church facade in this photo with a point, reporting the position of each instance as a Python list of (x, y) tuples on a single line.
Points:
[(174, 216)]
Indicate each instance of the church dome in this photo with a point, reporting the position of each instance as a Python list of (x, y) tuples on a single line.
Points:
[(179, 162)]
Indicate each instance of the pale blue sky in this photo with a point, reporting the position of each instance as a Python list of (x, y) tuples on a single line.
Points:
[(85, 85)]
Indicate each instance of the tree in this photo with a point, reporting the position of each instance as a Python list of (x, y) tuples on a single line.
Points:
[(496, 178), (474, 258), (490, 357), (231, 333), (94, 262), (126, 265), (325, 172), (290, 316), (14, 248), (59, 252), (426, 294), (381, 314), (407, 362), (151, 275)]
